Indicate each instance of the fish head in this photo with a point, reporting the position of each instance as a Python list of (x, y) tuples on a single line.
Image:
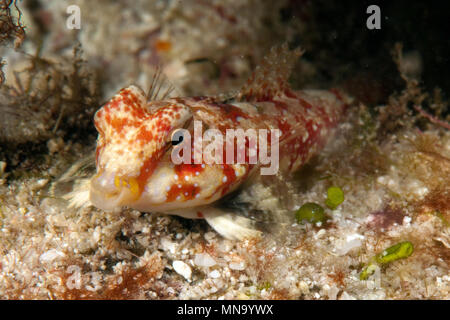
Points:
[(134, 136)]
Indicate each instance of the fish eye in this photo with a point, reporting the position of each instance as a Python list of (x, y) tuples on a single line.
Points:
[(177, 137)]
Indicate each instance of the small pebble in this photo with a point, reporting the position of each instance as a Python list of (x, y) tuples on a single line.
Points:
[(50, 255), (182, 268), (214, 274), (237, 265), (204, 260)]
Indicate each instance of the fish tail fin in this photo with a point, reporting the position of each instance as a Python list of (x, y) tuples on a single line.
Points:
[(270, 78)]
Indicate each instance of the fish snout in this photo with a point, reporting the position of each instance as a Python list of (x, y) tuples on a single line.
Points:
[(111, 192)]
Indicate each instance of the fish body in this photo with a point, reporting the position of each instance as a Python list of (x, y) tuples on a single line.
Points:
[(134, 155)]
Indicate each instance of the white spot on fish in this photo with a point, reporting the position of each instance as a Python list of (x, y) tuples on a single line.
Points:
[(305, 137), (224, 179)]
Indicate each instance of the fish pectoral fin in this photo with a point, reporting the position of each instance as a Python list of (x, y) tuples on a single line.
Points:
[(79, 196), (230, 225), (73, 186)]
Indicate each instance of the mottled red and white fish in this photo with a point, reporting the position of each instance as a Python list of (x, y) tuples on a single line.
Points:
[(133, 155)]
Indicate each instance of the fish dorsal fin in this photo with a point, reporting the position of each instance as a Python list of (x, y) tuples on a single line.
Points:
[(160, 87), (271, 77)]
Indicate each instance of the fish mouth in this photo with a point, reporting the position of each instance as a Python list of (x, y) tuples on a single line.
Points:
[(110, 192)]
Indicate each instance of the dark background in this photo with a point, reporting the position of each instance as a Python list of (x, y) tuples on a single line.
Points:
[(338, 41)]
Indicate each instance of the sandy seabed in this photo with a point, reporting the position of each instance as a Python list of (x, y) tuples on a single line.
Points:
[(392, 163)]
